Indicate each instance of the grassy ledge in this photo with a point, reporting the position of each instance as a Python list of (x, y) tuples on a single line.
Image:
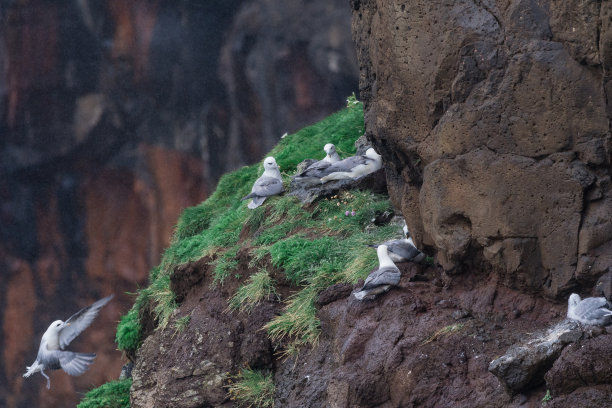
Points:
[(316, 246)]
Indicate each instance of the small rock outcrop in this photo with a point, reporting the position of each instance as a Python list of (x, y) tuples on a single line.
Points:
[(524, 364)]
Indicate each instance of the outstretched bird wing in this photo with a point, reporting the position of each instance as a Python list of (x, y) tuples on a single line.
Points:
[(74, 363), (80, 321)]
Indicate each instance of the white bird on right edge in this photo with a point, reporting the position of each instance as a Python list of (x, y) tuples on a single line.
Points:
[(591, 310), (380, 280), (353, 167), (403, 250)]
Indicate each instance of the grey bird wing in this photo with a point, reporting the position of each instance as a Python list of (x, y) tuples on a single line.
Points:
[(598, 316), (345, 165), (592, 303), (403, 249), (592, 308), (382, 276), (72, 363), (80, 321), (316, 169), (265, 187)]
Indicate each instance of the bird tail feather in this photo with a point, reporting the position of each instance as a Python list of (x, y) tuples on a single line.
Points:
[(256, 202), (246, 197)]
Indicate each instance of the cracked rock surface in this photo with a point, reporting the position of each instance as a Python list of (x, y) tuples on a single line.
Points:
[(493, 119)]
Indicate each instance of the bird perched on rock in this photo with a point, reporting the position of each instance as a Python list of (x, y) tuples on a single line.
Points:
[(51, 354), (380, 280), (270, 183), (353, 167), (316, 169), (403, 250), (593, 310)]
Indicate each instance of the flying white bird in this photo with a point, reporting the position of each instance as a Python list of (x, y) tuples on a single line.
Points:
[(270, 183), (316, 170), (593, 310), (51, 354), (353, 167), (380, 280), (403, 250)]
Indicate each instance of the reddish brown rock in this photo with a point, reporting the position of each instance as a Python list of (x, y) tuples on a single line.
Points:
[(192, 366), (493, 120), (584, 364)]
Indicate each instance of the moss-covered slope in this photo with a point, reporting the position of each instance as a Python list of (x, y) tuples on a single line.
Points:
[(315, 246)]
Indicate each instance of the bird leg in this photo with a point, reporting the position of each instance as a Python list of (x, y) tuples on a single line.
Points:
[(47, 377)]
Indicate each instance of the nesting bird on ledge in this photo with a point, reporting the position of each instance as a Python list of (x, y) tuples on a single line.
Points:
[(270, 183), (353, 167), (316, 169), (593, 310), (403, 250), (380, 280), (51, 354)]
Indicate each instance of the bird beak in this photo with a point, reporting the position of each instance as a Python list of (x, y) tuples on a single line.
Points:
[(66, 324)]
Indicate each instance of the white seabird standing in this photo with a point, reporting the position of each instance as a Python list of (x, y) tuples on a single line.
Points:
[(270, 183), (403, 250), (592, 310), (51, 354), (380, 280), (353, 167)]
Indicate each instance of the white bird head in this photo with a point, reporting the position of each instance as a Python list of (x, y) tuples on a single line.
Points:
[(329, 148), (56, 326), (371, 153), (573, 300), (270, 163)]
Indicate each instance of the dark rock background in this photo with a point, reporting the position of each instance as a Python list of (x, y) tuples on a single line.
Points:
[(493, 119), (114, 116)]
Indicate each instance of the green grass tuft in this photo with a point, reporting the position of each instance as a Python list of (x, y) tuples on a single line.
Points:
[(181, 324), (128, 335), (260, 287), (252, 388), (115, 394)]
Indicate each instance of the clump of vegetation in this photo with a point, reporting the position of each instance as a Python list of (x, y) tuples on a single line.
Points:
[(181, 324), (546, 398), (443, 331), (115, 394), (252, 388), (259, 287)]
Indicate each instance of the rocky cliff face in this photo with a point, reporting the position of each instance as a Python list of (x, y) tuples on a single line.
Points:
[(114, 117), (494, 118)]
